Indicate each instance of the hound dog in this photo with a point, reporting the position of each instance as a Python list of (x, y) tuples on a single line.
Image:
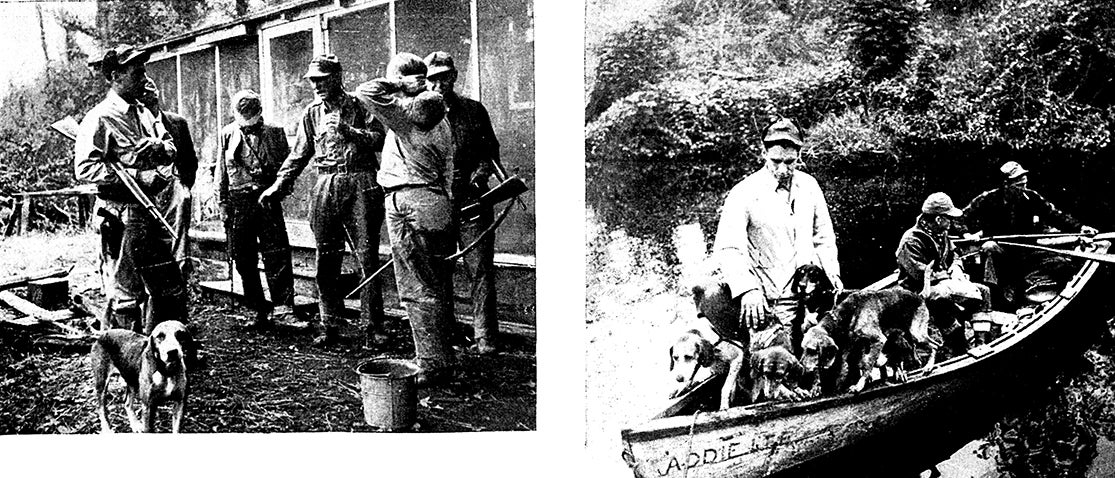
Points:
[(153, 367), (856, 330), (817, 295), (774, 371), (692, 352)]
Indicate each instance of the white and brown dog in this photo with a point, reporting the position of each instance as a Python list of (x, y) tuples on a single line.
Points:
[(693, 352), (153, 367)]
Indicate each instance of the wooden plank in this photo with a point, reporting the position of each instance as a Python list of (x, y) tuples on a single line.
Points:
[(19, 281), (24, 215), (25, 306)]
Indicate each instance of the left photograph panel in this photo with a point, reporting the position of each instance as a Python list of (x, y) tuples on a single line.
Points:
[(234, 216)]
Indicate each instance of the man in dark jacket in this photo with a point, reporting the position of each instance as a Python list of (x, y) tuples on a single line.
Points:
[(477, 153), (342, 141), (251, 153), (176, 201), (951, 291), (1014, 208)]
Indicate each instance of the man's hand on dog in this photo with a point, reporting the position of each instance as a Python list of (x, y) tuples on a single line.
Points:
[(752, 310)]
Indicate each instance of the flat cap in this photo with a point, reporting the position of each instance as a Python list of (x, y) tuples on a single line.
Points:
[(940, 203), (1012, 170), (119, 56), (438, 62), (784, 129)]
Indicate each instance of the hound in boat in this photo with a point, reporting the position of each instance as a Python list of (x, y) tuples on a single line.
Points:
[(692, 352), (856, 330)]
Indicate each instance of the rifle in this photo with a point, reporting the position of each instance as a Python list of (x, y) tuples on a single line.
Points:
[(68, 127)]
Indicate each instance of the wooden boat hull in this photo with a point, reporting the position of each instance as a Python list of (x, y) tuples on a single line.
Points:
[(885, 431)]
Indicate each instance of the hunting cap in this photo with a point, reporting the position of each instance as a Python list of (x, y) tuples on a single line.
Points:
[(785, 129), (940, 203), (119, 56), (322, 66), (246, 103), (1012, 170), (439, 62)]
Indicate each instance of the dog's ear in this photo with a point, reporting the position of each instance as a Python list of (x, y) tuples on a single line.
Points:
[(705, 353), (828, 353), (756, 367), (671, 357), (698, 296)]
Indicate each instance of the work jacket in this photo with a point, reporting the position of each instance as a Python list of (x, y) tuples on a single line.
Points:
[(918, 247), (243, 167), (764, 235), (1014, 210)]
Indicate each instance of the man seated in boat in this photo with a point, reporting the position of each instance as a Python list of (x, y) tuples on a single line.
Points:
[(1011, 209), (953, 297), (772, 222)]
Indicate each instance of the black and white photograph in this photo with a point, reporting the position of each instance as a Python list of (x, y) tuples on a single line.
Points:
[(268, 216), (849, 238)]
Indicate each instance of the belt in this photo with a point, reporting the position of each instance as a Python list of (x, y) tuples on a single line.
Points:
[(401, 187), (344, 168)]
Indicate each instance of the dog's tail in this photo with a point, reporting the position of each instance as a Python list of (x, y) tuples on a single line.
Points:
[(926, 279)]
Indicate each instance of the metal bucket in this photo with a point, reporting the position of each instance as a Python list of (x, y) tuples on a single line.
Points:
[(389, 392)]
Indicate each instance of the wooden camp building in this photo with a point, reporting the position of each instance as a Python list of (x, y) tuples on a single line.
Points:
[(492, 43)]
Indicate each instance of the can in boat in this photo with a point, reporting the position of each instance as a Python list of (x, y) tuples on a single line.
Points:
[(389, 392)]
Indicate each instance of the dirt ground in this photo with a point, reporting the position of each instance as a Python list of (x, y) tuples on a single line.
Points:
[(254, 381)]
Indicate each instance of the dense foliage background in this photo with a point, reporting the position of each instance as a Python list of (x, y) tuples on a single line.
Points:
[(33, 158), (900, 98)]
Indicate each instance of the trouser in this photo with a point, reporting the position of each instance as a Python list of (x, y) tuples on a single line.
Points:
[(1018, 273), (420, 225), (137, 266), (176, 203), (479, 263), (256, 229), (347, 203)]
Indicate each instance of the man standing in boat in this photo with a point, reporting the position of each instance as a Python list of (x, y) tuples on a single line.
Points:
[(1014, 208), (773, 222), (928, 244)]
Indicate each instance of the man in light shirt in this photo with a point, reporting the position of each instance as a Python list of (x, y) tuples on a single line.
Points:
[(773, 222)]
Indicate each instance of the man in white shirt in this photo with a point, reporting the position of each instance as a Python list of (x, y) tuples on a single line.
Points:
[(773, 222)]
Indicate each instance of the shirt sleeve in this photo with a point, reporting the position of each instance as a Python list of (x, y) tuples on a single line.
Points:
[(378, 96), (299, 156), (1056, 216), (730, 247), (89, 152)]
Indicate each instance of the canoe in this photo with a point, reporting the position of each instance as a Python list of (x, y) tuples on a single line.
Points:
[(890, 430)]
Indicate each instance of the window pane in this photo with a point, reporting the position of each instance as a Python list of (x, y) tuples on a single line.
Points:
[(422, 27), (239, 70), (290, 56), (506, 32), (362, 40), (165, 74), (199, 106)]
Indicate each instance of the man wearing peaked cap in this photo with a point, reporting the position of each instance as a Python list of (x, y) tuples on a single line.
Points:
[(1014, 208), (474, 162), (251, 152), (136, 255), (342, 142), (953, 296), (773, 222)]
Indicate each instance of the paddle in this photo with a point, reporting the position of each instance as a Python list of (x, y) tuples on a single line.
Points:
[(1094, 256), (960, 240)]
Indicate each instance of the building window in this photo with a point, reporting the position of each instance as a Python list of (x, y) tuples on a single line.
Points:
[(437, 25), (239, 71), (362, 41)]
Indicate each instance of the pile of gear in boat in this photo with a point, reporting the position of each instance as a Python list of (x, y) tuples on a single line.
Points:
[(784, 328)]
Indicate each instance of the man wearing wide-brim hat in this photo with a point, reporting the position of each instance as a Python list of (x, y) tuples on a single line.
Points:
[(1015, 208), (136, 256), (953, 296), (773, 222), (342, 142)]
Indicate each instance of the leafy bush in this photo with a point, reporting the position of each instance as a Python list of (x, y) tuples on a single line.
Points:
[(882, 35)]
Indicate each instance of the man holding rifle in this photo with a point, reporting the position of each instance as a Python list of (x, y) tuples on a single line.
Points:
[(474, 161), (119, 142)]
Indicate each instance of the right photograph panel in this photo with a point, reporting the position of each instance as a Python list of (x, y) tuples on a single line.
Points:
[(849, 238)]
